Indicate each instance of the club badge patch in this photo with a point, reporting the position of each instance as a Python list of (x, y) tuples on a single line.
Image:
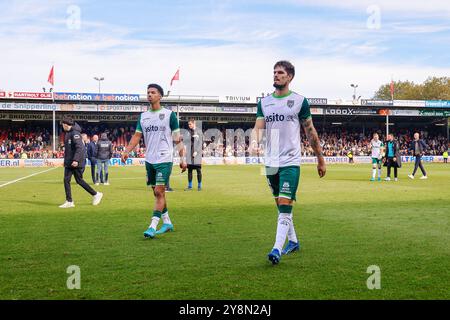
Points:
[(290, 103), (162, 116)]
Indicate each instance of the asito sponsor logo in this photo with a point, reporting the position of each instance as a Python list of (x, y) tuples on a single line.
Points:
[(154, 128), (274, 117)]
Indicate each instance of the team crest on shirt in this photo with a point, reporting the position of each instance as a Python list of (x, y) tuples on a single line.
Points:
[(290, 103), (162, 116)]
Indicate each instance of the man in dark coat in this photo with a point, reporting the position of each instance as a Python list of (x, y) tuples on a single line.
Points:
[(74, 162), (418, 148), (393, 158), (104, 154), (194, 155), (92, 156)]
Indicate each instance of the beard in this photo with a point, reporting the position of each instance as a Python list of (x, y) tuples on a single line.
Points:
[(279, 86)]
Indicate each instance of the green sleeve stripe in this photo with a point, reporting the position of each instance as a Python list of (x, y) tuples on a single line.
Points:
[(138, 125), (305, 112), (260, 118), (174, 124), (259, 113), (176, 130)]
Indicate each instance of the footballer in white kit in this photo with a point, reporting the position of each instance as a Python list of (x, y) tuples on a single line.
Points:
[(281, 115), (377, 147), (160, 129)]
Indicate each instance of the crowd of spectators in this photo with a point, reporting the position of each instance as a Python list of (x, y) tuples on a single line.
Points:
[(23, 143)]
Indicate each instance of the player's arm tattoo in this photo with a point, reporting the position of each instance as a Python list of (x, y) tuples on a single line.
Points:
[(312, 136)]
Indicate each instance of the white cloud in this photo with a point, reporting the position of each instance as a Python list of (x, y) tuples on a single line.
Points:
[(399, 7)]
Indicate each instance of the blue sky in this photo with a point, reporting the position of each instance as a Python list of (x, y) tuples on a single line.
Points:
[(223, 47)]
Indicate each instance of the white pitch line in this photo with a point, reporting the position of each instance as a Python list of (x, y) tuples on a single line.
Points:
[(84, 177), (23, 178)]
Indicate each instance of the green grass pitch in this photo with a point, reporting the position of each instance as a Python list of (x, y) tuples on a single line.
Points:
[(222, 235)]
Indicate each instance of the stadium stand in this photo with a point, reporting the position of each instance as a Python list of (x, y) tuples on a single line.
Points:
[(25, 143)]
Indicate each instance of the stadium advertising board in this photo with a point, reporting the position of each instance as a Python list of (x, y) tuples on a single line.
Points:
[(236, 110), (409, 103), (29, 106), (406, 113), (434, 113), (116, 162), (76, 96), (341, 102), (195, 109), (77, 107), (2, 94), (376, 103), (350, 111), (238, 99), (122, 108), (316, 111), (25, 116), (41, 162), (218, 118), (77, 117), (105, 117), (437, 104), (337, 160), (27, 95), (8, 163), (317, 101)]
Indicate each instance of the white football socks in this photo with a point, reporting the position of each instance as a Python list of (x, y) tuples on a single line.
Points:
[(292, 236), (155, 221), (284, 224), (166, 218)]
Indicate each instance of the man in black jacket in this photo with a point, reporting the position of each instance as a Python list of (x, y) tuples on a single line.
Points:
[(194, 155), (418, 148), (74, 162), (104, 154), (92, 156), (393, 158)]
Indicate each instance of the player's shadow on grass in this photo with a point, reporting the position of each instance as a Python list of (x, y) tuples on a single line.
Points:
[(37, 203)]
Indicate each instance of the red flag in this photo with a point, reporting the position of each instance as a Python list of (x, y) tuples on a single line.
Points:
[(51, 76), (392, 89), (175, 77)]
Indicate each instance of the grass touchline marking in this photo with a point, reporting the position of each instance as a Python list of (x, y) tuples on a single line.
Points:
[(23, 178)]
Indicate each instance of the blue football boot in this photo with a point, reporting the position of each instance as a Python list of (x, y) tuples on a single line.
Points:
[(150, 233), (166, 227), (291, 247), (274, 256)]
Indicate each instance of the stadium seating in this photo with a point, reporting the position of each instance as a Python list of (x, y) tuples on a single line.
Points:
[(36, 143)]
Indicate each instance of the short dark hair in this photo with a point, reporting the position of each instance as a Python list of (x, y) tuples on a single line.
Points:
[(157, 87), (287, 66), (68, 119)]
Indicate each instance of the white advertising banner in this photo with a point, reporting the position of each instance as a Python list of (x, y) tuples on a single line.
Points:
[(116, 162), (409, 103), (27, 95), (238, 99)]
